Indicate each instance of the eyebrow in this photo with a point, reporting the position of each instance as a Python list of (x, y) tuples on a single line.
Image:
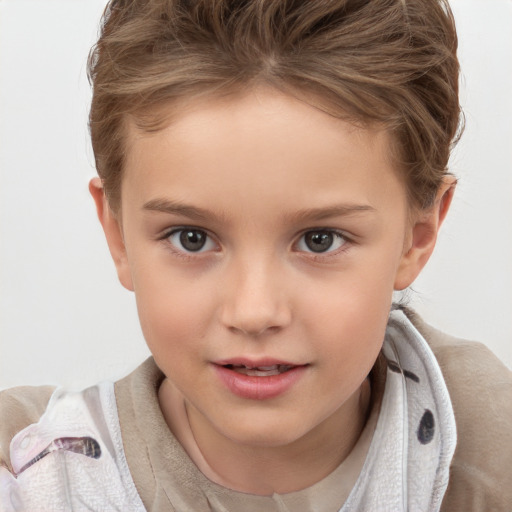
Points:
[(341, 210), (178, 208), (308, 214)]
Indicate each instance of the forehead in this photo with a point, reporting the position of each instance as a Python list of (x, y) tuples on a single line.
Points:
[(247, 108), (262, 144)]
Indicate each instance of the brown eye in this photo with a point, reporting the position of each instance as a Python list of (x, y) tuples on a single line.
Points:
[(321, 241), (191, 240)]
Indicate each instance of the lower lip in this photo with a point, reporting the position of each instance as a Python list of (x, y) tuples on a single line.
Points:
[(259, 388)]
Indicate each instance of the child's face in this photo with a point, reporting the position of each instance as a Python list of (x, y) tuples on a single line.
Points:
[(259, 231)]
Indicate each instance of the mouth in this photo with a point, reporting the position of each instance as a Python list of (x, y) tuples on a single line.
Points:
[(259, 371), (259, 380)]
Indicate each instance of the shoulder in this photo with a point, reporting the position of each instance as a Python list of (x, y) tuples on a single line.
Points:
[(20, 407), (480, 388)]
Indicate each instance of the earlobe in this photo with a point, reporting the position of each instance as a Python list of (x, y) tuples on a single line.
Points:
[(423, 236), (113, 233)]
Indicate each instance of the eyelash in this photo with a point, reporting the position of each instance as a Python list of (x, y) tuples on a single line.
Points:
[(187, 254)]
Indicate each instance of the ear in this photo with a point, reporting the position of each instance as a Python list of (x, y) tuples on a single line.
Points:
[(113, 233), (423, 236)]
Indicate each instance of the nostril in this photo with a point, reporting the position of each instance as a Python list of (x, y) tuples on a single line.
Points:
[(255, 331)]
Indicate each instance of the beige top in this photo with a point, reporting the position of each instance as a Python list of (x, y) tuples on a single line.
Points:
[(480, 476), (159, 464)]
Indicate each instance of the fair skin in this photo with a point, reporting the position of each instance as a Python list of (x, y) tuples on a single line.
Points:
[(299, 231)]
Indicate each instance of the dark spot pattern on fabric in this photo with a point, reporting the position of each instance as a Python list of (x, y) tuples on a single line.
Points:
[(394, 367), (412, 376), (427, 427)]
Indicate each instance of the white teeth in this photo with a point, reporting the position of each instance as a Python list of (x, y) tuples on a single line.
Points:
[(255, 372), (262, 371)]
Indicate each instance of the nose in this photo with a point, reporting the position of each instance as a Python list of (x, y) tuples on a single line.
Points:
[(255, 301)]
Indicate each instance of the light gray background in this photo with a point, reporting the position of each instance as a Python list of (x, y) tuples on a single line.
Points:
[(64, 319)]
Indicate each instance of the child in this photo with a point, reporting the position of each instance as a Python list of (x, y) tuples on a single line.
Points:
[(269, 173)]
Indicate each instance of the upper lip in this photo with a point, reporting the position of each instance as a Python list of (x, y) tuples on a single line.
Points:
[(255, 363)]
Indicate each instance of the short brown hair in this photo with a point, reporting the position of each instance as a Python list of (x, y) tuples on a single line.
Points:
[(391, 62)]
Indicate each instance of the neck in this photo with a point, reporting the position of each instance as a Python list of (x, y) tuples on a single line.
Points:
[(265, 470)]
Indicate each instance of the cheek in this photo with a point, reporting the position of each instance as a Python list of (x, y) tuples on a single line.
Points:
[(351, 339), (362, 290), (172, 310), (351, 327), (349, 313)]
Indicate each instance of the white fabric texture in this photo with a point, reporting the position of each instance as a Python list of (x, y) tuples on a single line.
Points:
[(408, 463), (406, 469), (63, 480)]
